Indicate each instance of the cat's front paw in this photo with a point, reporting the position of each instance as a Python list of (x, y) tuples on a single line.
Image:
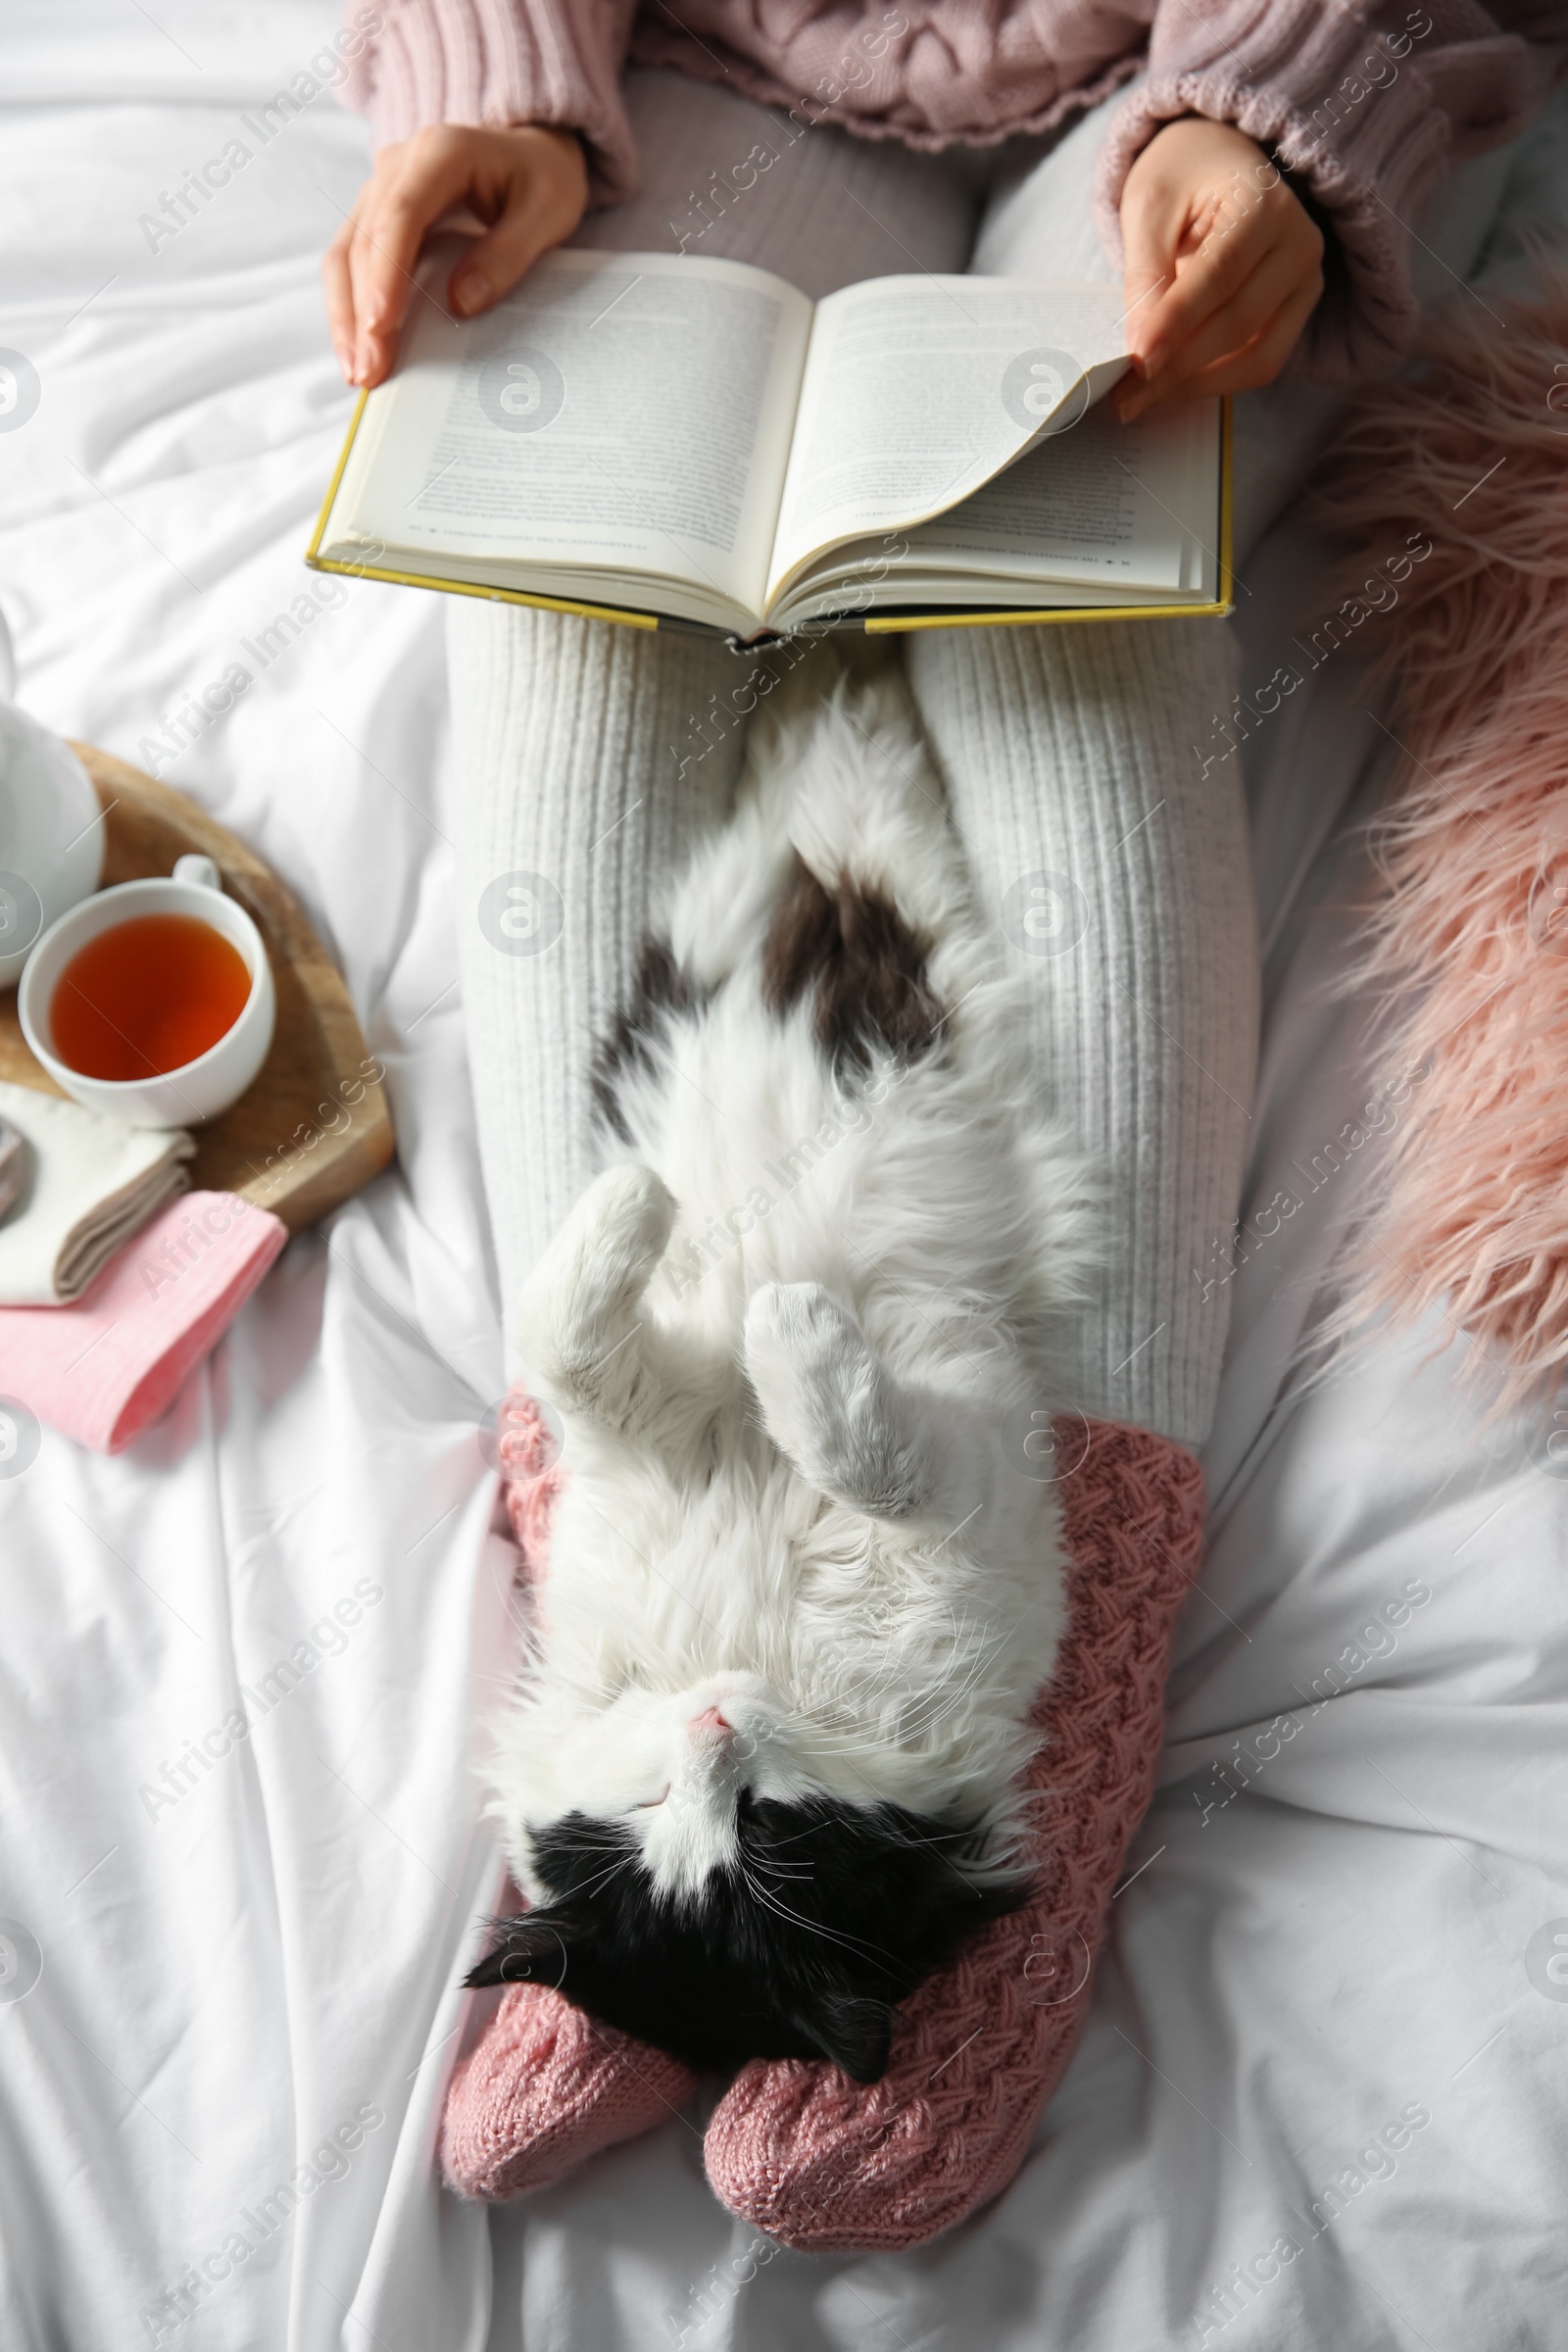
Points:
[(627, 1212), (826, 1401), (578, 1307)]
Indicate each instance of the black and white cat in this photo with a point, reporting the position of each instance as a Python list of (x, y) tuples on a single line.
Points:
[(804, 1574)]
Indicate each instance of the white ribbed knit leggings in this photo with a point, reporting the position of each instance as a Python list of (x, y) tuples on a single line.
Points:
[(593, 756)]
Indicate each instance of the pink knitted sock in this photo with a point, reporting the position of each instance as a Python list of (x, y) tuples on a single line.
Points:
[(530, 1455), (811, 2158), (829, 2165), (545, 2088)]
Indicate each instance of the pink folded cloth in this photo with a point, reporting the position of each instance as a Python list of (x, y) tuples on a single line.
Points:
[(104, 1368)]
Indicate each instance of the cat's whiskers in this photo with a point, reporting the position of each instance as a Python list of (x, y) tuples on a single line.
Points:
[(948, 1698), (816, 1926)]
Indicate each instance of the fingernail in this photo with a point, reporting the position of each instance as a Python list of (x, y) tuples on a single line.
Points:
[(1151, 360), (345, 363), (1131, 404), (468, 293)]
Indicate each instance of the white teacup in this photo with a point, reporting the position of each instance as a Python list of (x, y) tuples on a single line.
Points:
[(197, 1090), (51, 835)]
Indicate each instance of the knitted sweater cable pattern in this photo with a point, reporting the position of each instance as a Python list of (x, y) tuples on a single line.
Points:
[(816, 2160), (1363, 102)]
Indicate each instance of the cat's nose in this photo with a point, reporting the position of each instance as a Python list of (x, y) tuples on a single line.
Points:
[(712, 1725)]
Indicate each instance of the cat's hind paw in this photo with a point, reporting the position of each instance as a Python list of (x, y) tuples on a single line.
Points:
[(828, 1402)]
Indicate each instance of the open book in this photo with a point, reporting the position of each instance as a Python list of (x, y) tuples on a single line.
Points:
[(649, 436)]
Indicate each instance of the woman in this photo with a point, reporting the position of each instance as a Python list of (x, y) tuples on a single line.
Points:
[(1251, 177)]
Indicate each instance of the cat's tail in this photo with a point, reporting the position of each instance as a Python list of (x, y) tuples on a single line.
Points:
[(838, 781), (845, 763)]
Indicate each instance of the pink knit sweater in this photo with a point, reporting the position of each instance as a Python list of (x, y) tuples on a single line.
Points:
[(1363, 102)]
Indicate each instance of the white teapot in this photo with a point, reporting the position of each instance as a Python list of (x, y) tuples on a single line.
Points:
[(51, 830)]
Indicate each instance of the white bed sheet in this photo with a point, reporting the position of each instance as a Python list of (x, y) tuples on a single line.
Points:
[(227, 1980)]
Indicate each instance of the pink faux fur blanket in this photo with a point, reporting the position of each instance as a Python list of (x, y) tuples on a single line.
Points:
[(1469, 932)]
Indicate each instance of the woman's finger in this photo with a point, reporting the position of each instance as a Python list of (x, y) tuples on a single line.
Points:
[(541, 208), (1150, 230), (430, 174), (1260, 363), (504, 254), (338, 290), (1282, 273), (1206, 280), (1240, 371), (361, 251)]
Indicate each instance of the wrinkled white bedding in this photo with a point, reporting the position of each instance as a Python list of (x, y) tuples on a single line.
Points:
[(1331, 1972)]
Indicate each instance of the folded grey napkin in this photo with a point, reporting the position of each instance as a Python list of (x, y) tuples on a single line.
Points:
[(86, 1184)]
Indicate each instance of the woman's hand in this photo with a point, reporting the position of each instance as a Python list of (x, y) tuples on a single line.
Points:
[(529, 186), (1223, 267)]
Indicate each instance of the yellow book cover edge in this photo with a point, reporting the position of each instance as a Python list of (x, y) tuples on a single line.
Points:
[(886, 626)]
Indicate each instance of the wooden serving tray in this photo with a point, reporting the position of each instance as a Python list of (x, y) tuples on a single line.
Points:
[(314, 1126)]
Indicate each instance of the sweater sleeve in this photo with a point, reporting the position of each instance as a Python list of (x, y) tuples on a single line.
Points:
[(1362, 106), (491, 61)]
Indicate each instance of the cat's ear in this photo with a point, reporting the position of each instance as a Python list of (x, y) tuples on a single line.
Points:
[(533, 1949), (851, 2029)]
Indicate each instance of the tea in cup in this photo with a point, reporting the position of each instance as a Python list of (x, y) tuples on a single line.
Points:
[(153, 1001)]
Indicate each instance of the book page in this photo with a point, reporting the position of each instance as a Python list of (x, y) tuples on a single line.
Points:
[(1121, 503), (1114, 513), (633, 411), (918, 389)]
